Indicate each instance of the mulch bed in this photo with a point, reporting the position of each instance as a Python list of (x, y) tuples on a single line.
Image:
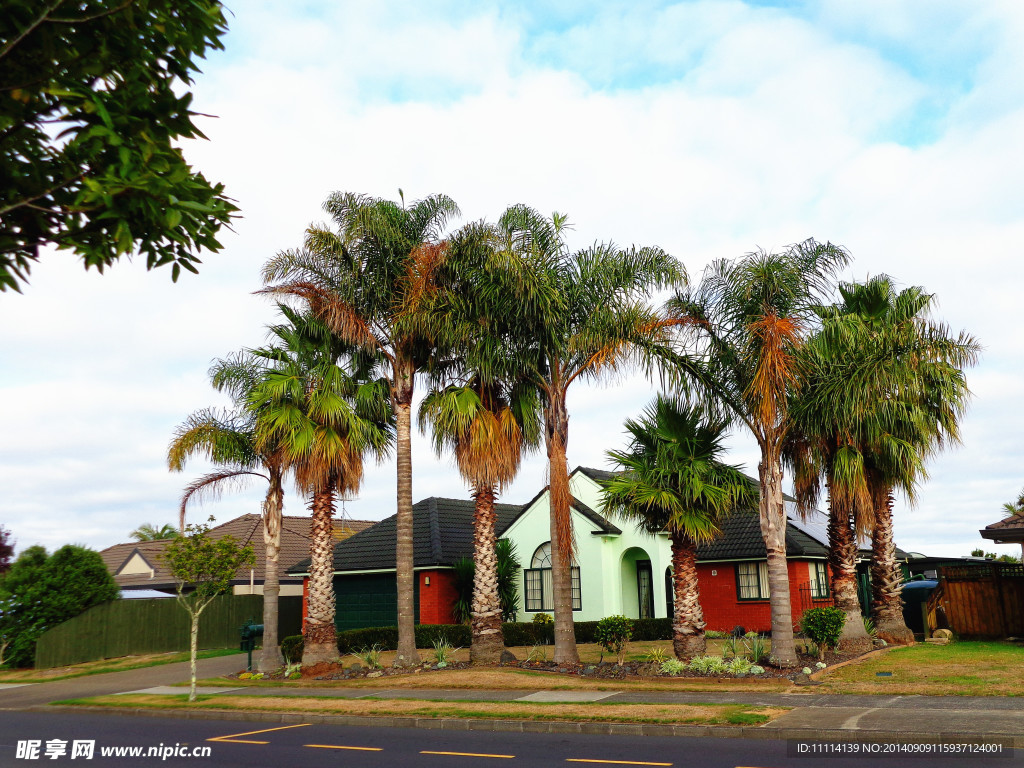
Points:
[(602, 670)]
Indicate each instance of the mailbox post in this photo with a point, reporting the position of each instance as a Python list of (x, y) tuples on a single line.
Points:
[(250, 632)]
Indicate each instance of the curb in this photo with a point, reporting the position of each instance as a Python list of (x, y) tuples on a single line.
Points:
[(554, 726)]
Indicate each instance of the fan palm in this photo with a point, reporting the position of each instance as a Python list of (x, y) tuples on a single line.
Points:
[(323, 419), (579, 316), (149, 532), (672, 480), (228, 439), (367, 281), (746, 322)]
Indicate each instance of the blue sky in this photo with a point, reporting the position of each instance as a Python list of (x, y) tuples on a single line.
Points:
[(708, 128)]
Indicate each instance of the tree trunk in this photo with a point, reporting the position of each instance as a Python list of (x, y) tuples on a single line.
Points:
[(320, 642), (401, 393), (687, 615), (842, 560), (773, 529), (887, 580), (487, 640), (193, 650), (270, 656), (562, 548)]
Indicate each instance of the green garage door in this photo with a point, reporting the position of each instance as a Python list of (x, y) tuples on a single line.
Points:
[(368, 600)]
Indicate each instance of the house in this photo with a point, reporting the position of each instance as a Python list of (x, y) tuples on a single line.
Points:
[(1009, 530), (139, 565), (619, 568)]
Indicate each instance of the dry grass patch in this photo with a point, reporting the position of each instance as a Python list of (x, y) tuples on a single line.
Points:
[(961, 669), (105, 665), (702, 714)]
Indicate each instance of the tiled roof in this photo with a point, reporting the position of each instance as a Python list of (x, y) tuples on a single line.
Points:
[(1008, 529), (442, 534), (246, 529)]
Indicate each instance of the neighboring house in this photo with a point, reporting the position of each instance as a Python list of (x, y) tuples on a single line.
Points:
[(139, 565), (619, 568), (1009, 530)]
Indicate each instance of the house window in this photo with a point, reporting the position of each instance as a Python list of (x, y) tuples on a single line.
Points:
[(752, 581), (819, 580), (539, 593)]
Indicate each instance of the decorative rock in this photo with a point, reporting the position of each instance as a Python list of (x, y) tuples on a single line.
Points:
[(378, 673), (507, 657), (944, 634), (355, 667)]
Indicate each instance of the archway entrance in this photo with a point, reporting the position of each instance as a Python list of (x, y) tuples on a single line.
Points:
[(637, 584)]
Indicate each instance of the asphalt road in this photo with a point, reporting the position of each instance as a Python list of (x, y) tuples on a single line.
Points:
[(263, 745)]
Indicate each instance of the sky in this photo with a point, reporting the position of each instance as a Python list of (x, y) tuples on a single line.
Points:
[(711, 129)]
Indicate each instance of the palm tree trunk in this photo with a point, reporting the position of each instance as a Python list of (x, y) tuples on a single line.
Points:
[(887, 580), (320, 642), (270, 656), (557, 424), (402, 391), (487, 640), (842, 560), (687, 615), (773, 529)]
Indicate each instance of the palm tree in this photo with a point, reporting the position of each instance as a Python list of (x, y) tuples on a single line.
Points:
[(747, 321), (323, 419), (149, 532), (367, 282), (672, 479), (579, 316), (486, 425), (228, 439), (884, 391)]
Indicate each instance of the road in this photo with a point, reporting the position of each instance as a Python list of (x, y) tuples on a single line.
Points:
[(263, 745)]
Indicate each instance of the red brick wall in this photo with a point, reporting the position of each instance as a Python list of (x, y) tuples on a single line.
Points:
[(437, 598), (723, 610)]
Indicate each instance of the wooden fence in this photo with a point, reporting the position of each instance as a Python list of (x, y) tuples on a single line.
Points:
[(979, 601), (159, 625)]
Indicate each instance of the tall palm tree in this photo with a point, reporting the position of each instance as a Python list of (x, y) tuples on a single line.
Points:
[(149, 532), (672, 479), (885, 390), (487, 425), (745, 323), (581, 315), (323, 419), (367, 281), (228, 439)]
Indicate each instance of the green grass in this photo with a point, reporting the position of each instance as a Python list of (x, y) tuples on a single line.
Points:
[(105, 665)]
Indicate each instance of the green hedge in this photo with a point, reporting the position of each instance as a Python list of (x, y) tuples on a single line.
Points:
[(458, 635)]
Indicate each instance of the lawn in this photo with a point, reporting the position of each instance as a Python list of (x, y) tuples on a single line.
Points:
[(104, 665), (678, 714), (970, 668)]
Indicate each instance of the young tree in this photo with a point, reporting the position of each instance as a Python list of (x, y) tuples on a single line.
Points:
[(369, 281), (203, 568), (40, 591), (149, 532), (672, 480), (6, 550), (93, 110), (745, 324)]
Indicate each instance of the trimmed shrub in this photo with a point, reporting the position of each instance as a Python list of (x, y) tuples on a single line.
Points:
[(291, 649), (823, 626), (614, 633), (524, 633)]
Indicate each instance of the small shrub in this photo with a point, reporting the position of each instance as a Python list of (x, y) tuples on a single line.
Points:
[(291, 649), (369, 656), (739, 666), (756, 670), (731, 648), (714, 634), (757, 649), (821, 665), (614, 633), (443, 652), (672, 667), (292, 669), (656, 655), (869, 627), (751, 634), (806, 670), (823, 626), (543, 618), (707, 665), (538, 653)]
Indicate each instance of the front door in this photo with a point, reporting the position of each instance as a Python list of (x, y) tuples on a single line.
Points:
[(645, 588)]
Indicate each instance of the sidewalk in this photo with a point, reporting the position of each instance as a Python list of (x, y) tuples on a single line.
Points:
[(813, 716)]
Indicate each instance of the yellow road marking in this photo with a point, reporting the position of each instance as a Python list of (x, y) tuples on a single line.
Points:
[(231, 738), (610, 762), (335, 746), (463, 754)]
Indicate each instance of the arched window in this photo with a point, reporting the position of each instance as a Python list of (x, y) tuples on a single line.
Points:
[(539, 590)]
